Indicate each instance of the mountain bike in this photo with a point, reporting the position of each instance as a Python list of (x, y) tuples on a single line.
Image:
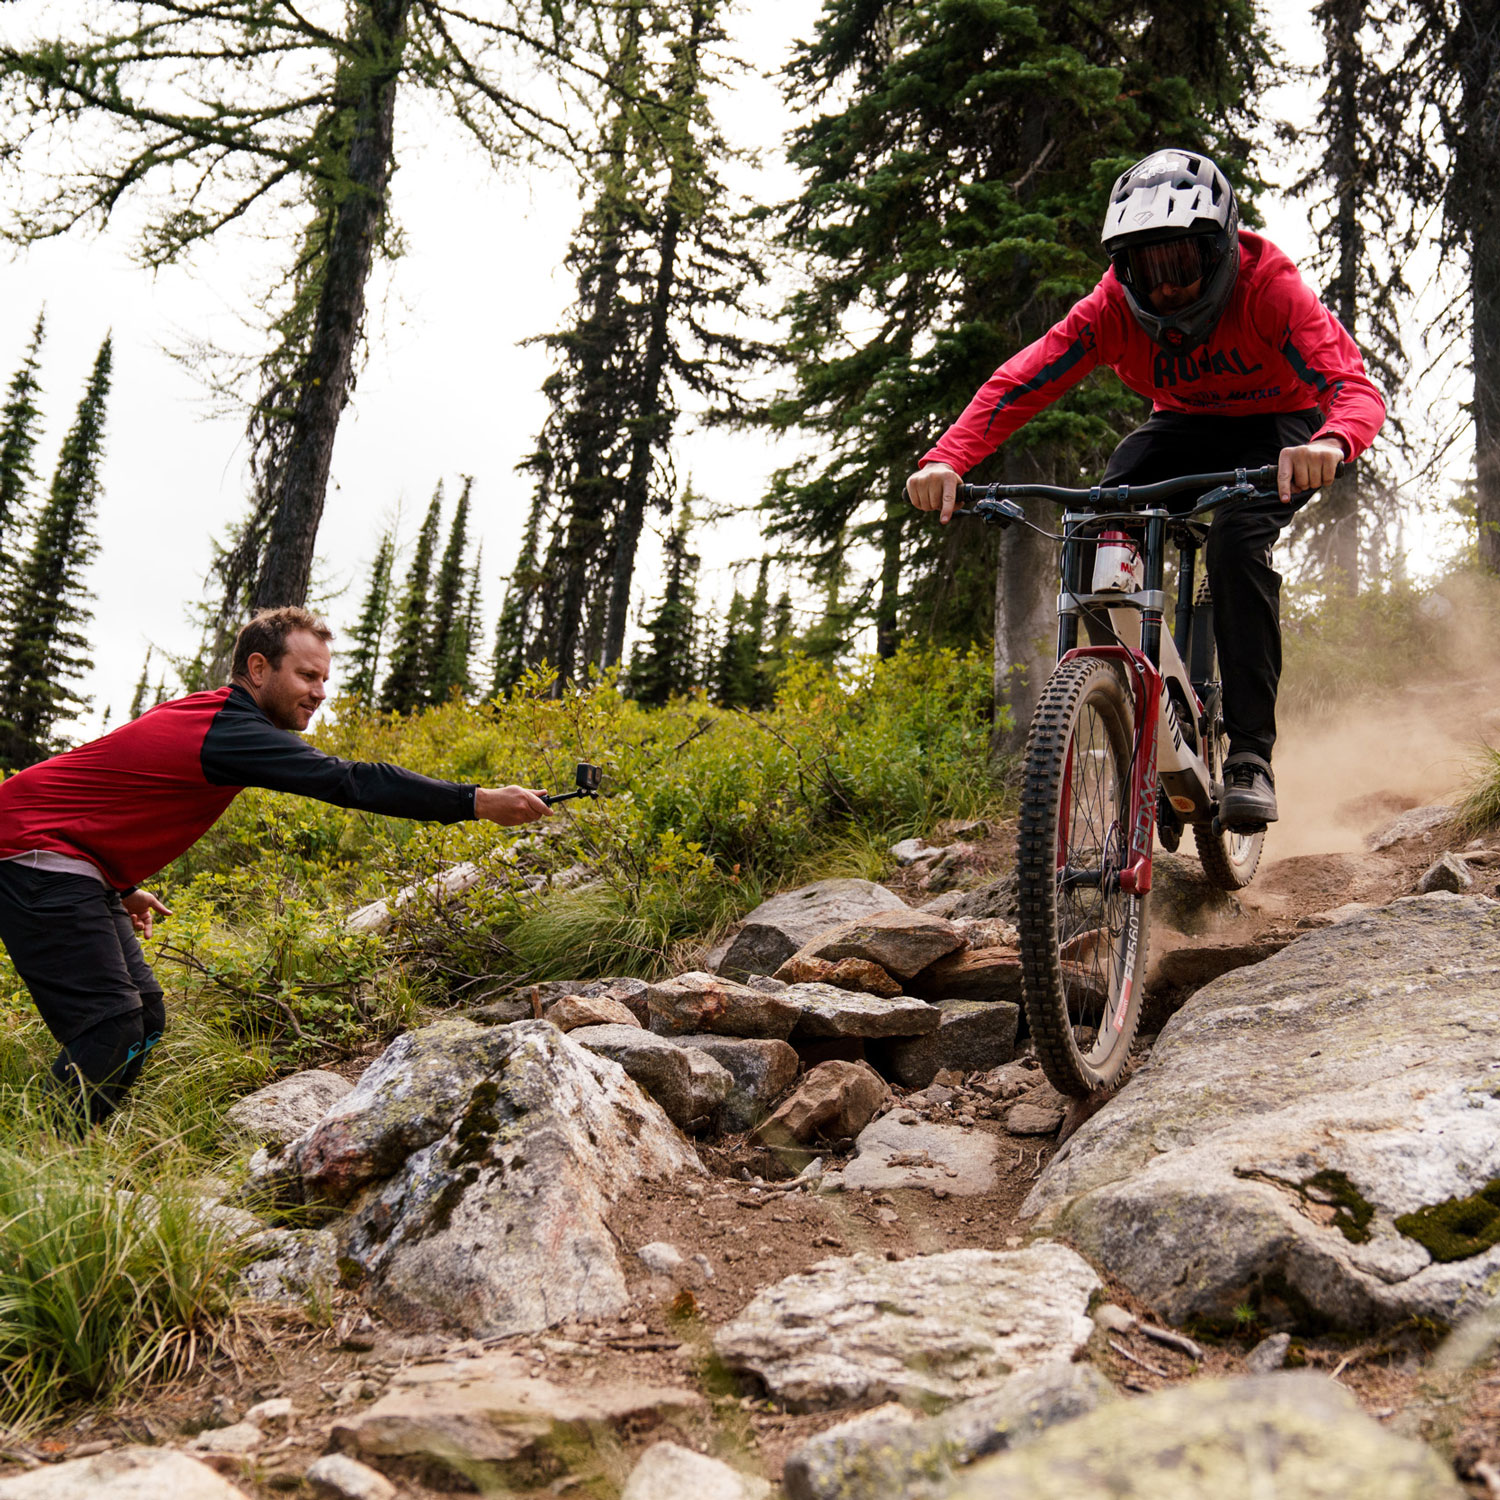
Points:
[(1127, 743)]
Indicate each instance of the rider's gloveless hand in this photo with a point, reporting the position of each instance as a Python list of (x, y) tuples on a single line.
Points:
[(1308, 467), (934, 487), (509, 805)]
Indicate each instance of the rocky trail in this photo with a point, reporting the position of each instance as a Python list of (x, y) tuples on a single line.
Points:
[(808, 1222)]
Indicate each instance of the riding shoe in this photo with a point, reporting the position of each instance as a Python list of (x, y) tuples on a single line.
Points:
[(1249, 799)]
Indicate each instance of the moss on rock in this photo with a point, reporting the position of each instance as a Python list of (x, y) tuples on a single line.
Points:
[(1458, 1227)]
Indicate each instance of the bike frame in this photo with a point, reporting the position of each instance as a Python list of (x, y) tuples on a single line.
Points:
[(1151, 660)]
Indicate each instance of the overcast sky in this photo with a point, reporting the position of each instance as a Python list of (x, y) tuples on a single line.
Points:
[(448, 388)]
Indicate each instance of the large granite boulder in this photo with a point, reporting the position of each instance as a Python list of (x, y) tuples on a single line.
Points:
[(933, 1328), (687, 1083), (477, 1165), (1295, 1436), (668, 1471), (987, 974), (901, 1150), (283, 1110), (777, 928), (1317, 1136), (124, 1474)]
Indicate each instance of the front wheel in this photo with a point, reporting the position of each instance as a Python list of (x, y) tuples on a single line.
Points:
[(1083, 940)]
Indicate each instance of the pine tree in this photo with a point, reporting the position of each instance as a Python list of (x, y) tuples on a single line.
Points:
[(448, 642), (732, 687), (660, 262), (956, 160), (45, 649), (664, 664), (406, 686), (517, 628), (142, 688), (19, 429), (362, 661)]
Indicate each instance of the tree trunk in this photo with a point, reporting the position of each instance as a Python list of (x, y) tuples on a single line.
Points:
[(324, 377), (1341, 502), (1025, 616), (1479, 44), (892, 533)]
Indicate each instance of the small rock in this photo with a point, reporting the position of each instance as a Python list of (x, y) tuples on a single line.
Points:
[(1418, 823), (858, 974), (1027, 1118), (762, 1068), (948, 869), (1269, 1354), (834, 1101), (909, 851), (826, 1012), (687, 1083), (661, 1259), (903, 943), (339, 1477), (777, 928), (987, 932), (236, 1441), (669, 1472), (1449, 873), (1009, 1082), (928, 1328), (283, 1110), (701, 1002), (901, 1151), (971, 1034), (573, 1011), (124, 1474), (278, 1411), (1113, 1318)]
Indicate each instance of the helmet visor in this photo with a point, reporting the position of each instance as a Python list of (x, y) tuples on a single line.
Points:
[(1177, 263)]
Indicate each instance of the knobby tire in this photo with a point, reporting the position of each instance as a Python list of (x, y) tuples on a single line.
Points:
[(1083, 946)]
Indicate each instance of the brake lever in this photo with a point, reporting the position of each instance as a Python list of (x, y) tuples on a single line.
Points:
[(994, 512)]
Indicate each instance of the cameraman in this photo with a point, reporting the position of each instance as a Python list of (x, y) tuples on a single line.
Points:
[(79, 832)]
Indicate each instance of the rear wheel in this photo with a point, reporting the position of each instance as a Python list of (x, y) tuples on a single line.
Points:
[(1229, 857), (1083, 940)]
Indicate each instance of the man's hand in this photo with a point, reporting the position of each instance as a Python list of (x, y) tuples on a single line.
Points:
[(1308, 467), (509, 805), (934, 487), (143, 906)]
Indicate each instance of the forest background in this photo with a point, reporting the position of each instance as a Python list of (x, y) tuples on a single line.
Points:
[(449, 388)]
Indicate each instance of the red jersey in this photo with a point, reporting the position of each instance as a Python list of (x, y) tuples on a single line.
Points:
[(131, 802), (1276, 349)]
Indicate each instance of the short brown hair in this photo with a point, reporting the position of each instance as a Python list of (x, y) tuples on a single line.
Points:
[(266, 633)]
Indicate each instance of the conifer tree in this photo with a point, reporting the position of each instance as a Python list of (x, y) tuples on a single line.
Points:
[(20, 420), (664, 664), (406, 685), (732, 685), (45, 649), (956, 160), (516, 629), (660, 261), (142, 688), (448, 642), (362, 662)]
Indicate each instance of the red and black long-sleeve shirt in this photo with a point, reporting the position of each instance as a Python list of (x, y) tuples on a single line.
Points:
[(1276, 349), (131, 802)]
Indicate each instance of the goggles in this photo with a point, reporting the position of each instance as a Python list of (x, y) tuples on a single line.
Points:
[(1176, 263)]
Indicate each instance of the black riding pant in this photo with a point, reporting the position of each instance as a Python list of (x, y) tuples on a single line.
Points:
[(72, 943), (1246, 588)]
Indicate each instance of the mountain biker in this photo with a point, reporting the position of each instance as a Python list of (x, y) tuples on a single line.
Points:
[(1244, 367), (79, 832)]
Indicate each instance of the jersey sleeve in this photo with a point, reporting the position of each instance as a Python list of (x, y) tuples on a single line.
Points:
[(243, 749), (1321, 352), (1024, 385)]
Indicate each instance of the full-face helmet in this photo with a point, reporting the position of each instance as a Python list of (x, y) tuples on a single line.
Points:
[(1173, 220)]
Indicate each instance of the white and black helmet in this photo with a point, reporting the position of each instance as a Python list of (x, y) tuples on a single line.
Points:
[(1172, 217)]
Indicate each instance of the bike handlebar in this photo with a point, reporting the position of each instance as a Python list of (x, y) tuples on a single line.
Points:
[(1110, 495)]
